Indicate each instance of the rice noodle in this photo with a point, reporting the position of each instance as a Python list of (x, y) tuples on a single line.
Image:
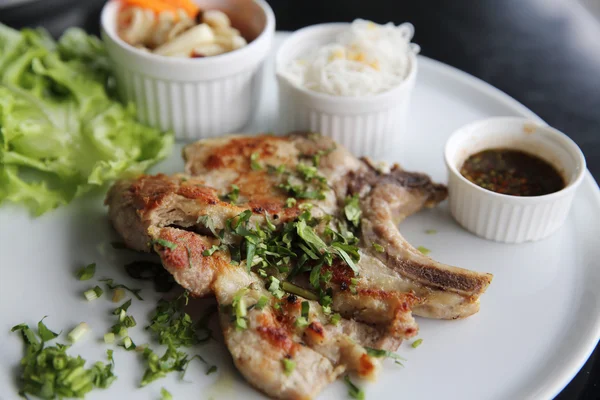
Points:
[(364, 60)]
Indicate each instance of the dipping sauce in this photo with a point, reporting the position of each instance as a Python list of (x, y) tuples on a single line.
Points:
[(512, 172)]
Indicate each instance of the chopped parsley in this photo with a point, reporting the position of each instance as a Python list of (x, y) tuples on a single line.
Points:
[(278, 254), (353, 284), (274, 287), (416, 343), (232, 196), (304, 183), (124, 307), (280, 170), (289, 366), (128, 344), (290, 202), (125, 321), (335, 319), (378, 353), (302, 321), (208, 222), (431, 231), (44, 333), (352, 210), (158, 367), (165, 243), (262, 302), (87, 272), (211, 369), (316, 157), (310, 237), (378, 248), (173, 326), (354, 391), (213, 248), (424, 250), (239, 309), (49, 372), (165, 395), (254, 162)]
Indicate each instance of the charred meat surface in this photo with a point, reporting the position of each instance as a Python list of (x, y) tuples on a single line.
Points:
[(302, 224)]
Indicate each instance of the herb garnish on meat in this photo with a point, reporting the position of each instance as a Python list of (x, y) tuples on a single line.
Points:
[(232, 196), (352, 210), (289, 366), (304, 245), (384, 353)]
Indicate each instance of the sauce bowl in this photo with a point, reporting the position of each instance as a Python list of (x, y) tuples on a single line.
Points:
[(506, 218)]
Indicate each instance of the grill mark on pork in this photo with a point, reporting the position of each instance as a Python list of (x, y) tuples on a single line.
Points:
[(236, 155), (275, 333)]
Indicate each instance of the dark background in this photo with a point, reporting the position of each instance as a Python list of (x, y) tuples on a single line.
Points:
[(544, 53)]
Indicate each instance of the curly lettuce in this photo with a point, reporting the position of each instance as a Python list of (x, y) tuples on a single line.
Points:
[(62, 132)]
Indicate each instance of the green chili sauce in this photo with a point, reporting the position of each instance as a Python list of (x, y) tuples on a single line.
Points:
[(512, 172)]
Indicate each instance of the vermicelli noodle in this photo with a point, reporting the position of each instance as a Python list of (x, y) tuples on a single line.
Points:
[(364, 60)]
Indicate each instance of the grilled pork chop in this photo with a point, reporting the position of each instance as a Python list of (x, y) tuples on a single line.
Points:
[(320, 351), (274, 181)]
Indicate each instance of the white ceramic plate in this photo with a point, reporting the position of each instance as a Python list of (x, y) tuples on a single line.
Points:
[(539, 320)]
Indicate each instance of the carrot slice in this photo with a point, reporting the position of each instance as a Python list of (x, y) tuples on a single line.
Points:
[(159, 6), (155, 5), (188, 6)]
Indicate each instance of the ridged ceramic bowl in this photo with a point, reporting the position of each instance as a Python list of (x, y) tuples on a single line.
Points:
[(364, 125), (195, 97), (505, 218)]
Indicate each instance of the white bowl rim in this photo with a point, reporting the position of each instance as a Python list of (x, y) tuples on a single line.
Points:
[(330, 26), (225, 57), (567, 143)]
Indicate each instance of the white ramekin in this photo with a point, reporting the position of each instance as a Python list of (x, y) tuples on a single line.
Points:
[(364, 125), (194, 97), (504, 218)]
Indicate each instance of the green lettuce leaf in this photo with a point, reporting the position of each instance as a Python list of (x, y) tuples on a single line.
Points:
[(61, 130)]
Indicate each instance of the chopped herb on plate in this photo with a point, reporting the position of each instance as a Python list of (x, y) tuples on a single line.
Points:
[(378, 353), (424, 250), (354, 391), (86, 273), (50, 373)]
